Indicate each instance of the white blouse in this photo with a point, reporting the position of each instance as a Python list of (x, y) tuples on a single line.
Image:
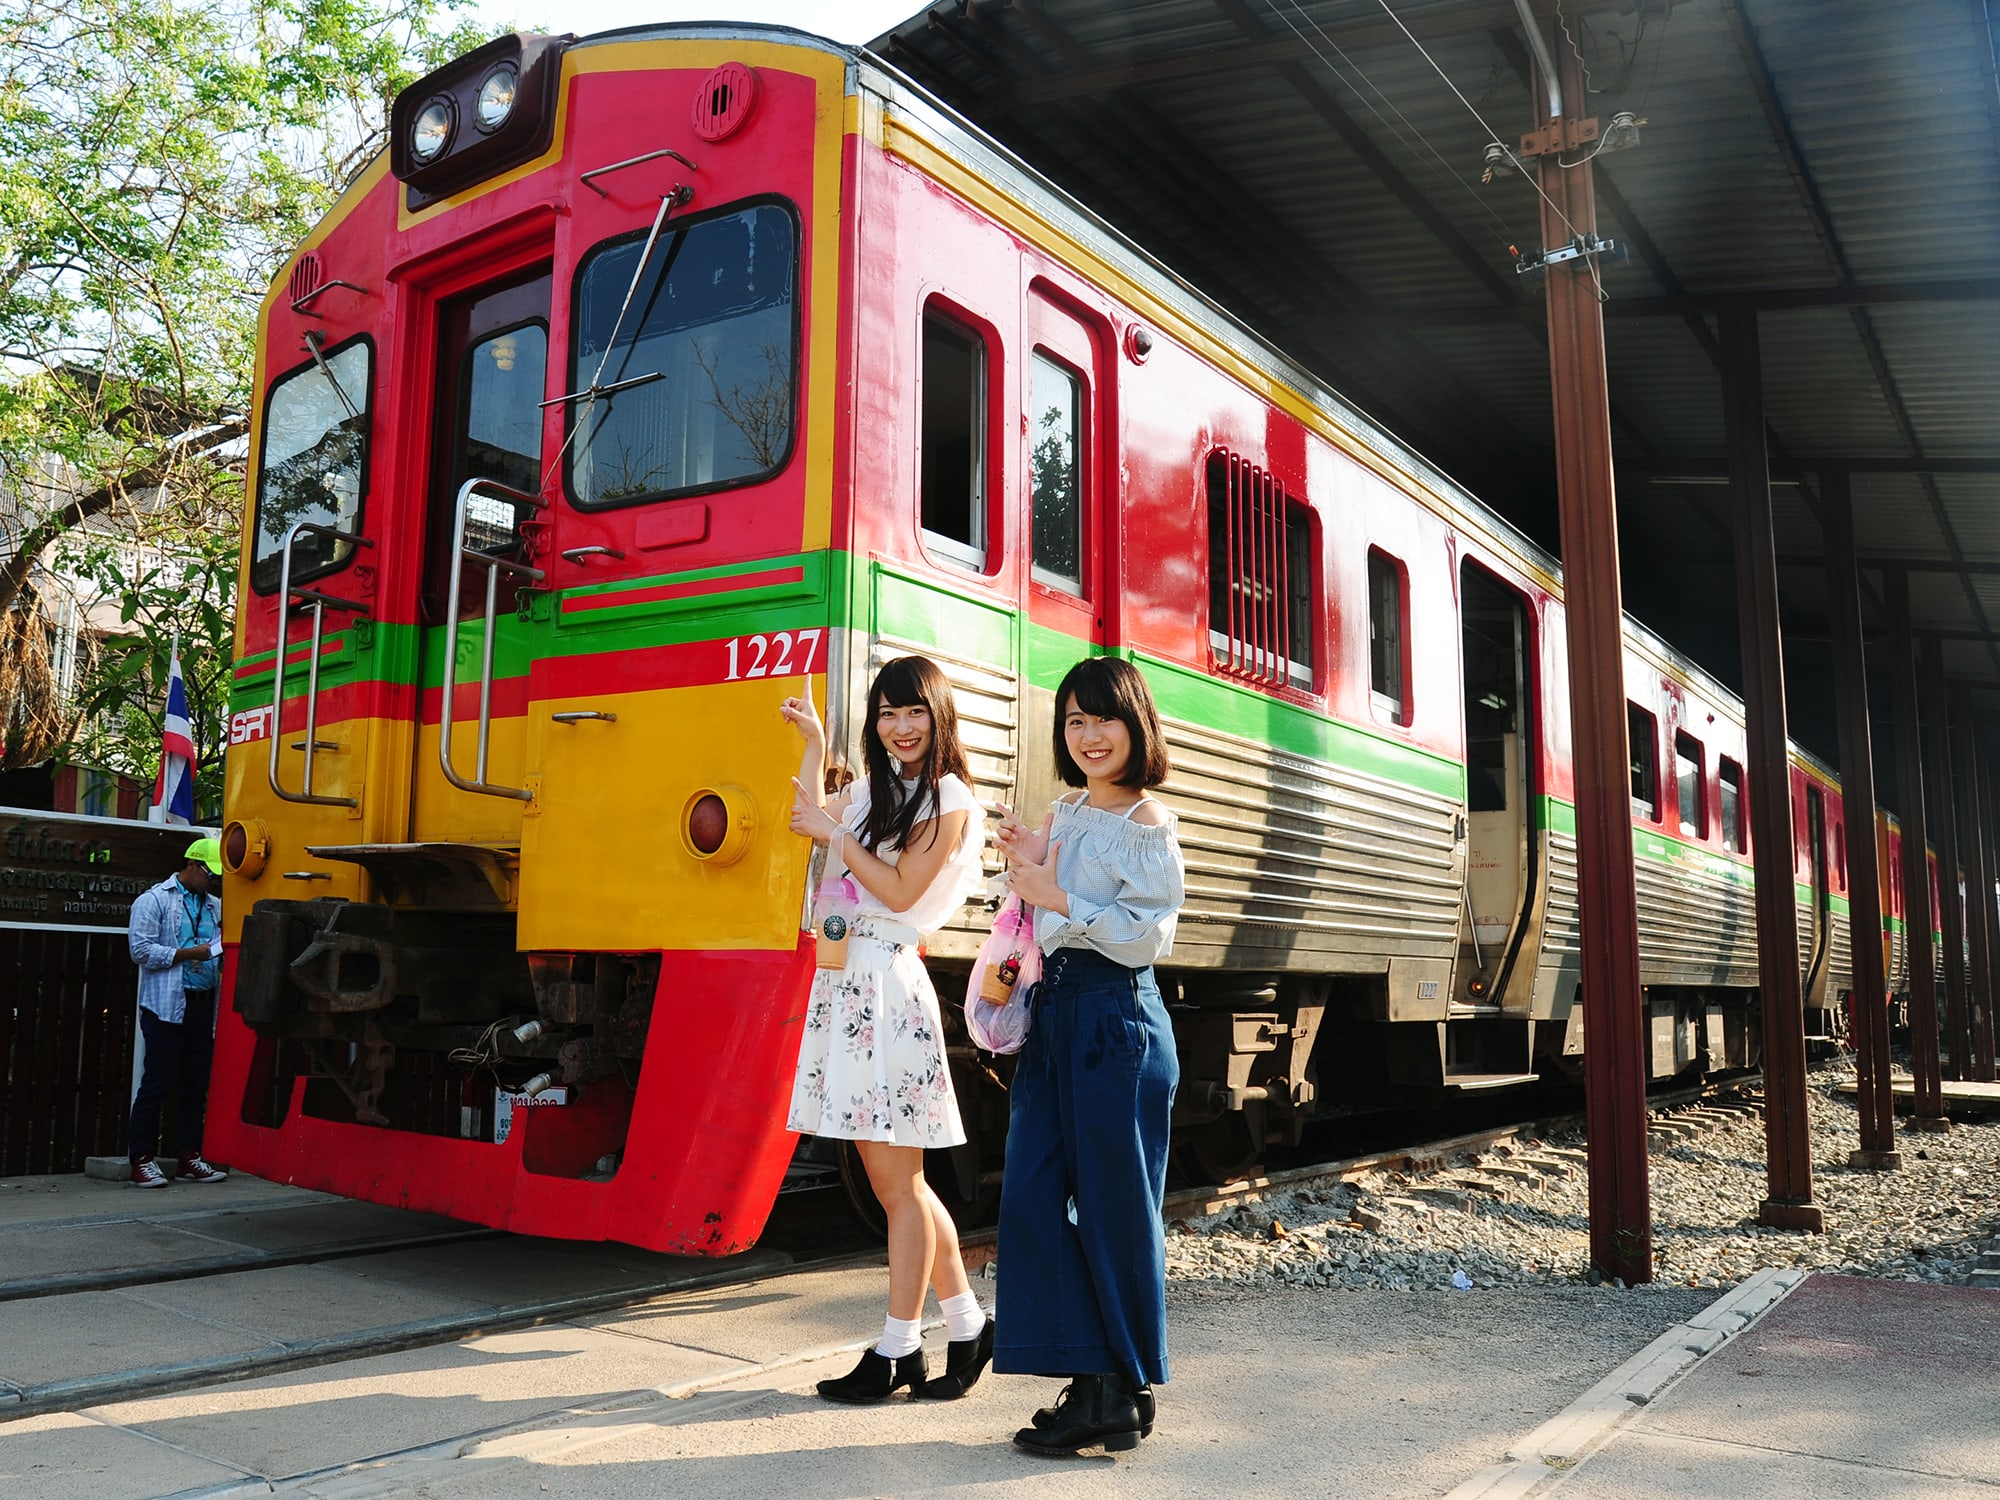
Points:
[(960, 875), (1125, 885)]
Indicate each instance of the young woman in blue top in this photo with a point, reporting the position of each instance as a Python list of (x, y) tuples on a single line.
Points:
[(1082, 1253)]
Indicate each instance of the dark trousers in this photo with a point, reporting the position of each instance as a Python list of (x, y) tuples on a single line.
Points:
[(177, 1057), (1082, 1253)]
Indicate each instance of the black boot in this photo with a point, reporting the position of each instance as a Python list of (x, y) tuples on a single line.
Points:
[(1092, 1410), (876, 1378), (964, 1361), (1142, 1399)]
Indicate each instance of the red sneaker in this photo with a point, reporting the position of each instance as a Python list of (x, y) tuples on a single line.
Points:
[(194, 1169), (146, 1173)]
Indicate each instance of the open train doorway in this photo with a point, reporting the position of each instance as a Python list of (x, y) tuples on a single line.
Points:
[(1500, 754)]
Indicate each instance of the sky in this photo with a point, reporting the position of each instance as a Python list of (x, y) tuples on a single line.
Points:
[(841, 20)]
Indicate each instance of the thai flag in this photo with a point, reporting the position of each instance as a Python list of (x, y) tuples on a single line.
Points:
[(173, 796)]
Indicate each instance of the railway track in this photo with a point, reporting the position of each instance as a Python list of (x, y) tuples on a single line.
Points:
[(809, 1232)]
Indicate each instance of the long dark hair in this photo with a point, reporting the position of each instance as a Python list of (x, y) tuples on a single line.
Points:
[(907, 682), (1111, 688)]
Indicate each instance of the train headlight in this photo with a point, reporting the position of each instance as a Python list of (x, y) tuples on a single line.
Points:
[(477, 116), (246, 846), (430, 132), (718, 824), (496, 98)]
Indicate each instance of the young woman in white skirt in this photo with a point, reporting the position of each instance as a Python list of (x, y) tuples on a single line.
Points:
[(872, 1066)]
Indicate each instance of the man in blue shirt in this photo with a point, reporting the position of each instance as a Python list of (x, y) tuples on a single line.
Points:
[(176, 940)]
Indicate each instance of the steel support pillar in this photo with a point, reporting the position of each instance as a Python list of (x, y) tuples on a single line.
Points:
[(1975, 851), (1982, 1038), (1870, 995), (1944, 834), (1919, 957), (1787, 1131), (1614, 1007)]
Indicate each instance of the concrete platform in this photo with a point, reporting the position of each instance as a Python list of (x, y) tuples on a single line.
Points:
[(1960, 1097), (1847, 1389), (1827, 1386)]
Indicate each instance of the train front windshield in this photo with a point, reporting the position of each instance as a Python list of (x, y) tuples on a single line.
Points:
[(711, 329)]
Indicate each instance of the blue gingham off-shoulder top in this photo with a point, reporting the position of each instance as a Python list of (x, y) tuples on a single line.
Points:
[(1125, 884)]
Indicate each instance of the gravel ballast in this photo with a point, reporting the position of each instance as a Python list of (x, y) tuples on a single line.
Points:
[(1926, 1222)]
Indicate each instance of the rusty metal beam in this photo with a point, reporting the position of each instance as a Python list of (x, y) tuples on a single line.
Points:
[(1944, 836), (1708, 469), (1787, 1144), (1870, 995), (1888, 563), (1614, 1006), (1982, 1038), (1919, 958), (1975, 853), (1679, 302)]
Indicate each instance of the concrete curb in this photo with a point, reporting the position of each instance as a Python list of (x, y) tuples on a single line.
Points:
[(1550, 1451)]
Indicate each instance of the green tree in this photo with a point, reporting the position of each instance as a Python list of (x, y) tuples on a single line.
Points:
[(158, 162)]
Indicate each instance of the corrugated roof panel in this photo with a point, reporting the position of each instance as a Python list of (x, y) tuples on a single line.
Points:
[(1155, 115)]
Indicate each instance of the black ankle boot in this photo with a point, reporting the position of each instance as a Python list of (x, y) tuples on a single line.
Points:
[(1092, 1410), (1142, 1399), (876, 1378), (964, 1361)]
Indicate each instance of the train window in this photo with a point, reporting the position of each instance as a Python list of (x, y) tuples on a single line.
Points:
[(1388, 636), (1690, 777), (952, 485), (1729, 776), (1056, 437), (707, 334), (315, 462), (1645, 749), (1260, 584)]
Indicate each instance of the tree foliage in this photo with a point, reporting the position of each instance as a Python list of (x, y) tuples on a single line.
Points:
[(158, 162)]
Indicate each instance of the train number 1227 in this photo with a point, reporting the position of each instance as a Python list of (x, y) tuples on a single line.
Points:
[(783, 653)]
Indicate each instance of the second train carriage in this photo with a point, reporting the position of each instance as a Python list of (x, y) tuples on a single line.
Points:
[(650, 373)]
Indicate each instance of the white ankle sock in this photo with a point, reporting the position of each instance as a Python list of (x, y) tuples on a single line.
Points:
[(963, 1316), (900, 1336)]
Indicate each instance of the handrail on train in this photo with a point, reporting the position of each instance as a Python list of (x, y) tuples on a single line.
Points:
[(318, 603), (495, 566)]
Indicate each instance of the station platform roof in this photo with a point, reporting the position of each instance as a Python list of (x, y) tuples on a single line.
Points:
[(1316, 166)]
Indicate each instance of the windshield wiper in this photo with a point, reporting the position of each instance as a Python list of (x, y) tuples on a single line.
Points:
[(678, 198)]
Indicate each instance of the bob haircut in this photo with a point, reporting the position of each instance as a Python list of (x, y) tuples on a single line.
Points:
[(908, 682), (1111, 688)]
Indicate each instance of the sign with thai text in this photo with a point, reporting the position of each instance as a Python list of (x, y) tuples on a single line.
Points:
[(68, 870)]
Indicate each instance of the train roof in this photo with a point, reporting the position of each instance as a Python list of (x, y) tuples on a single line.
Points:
[(980, 150)]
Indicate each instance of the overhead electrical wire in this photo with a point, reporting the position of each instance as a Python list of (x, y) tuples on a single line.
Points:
[(1576, 235), (1477, 199)]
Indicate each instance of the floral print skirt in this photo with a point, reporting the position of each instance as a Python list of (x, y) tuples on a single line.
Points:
[(871, 1061)]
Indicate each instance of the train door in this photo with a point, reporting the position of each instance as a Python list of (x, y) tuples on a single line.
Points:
[(487, 426), (1500, 752), (1069, 520)]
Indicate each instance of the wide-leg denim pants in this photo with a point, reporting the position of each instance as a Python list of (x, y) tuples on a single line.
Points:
[(1082, 1253)]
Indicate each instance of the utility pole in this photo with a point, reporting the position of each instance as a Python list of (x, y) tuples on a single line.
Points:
[(1614, 1007)]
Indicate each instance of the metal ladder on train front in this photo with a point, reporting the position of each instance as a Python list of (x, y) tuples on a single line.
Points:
[(318, 603)]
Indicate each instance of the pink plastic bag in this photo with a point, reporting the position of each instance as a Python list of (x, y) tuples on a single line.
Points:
[(996, 993)]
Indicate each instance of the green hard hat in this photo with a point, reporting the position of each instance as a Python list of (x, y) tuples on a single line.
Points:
[(207, 852)]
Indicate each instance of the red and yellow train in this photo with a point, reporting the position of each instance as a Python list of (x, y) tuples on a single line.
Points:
[(646, 375)]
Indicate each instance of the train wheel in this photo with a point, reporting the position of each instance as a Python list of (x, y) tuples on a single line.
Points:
[(938, 1171), (860, 1196), (1219, 1151)]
